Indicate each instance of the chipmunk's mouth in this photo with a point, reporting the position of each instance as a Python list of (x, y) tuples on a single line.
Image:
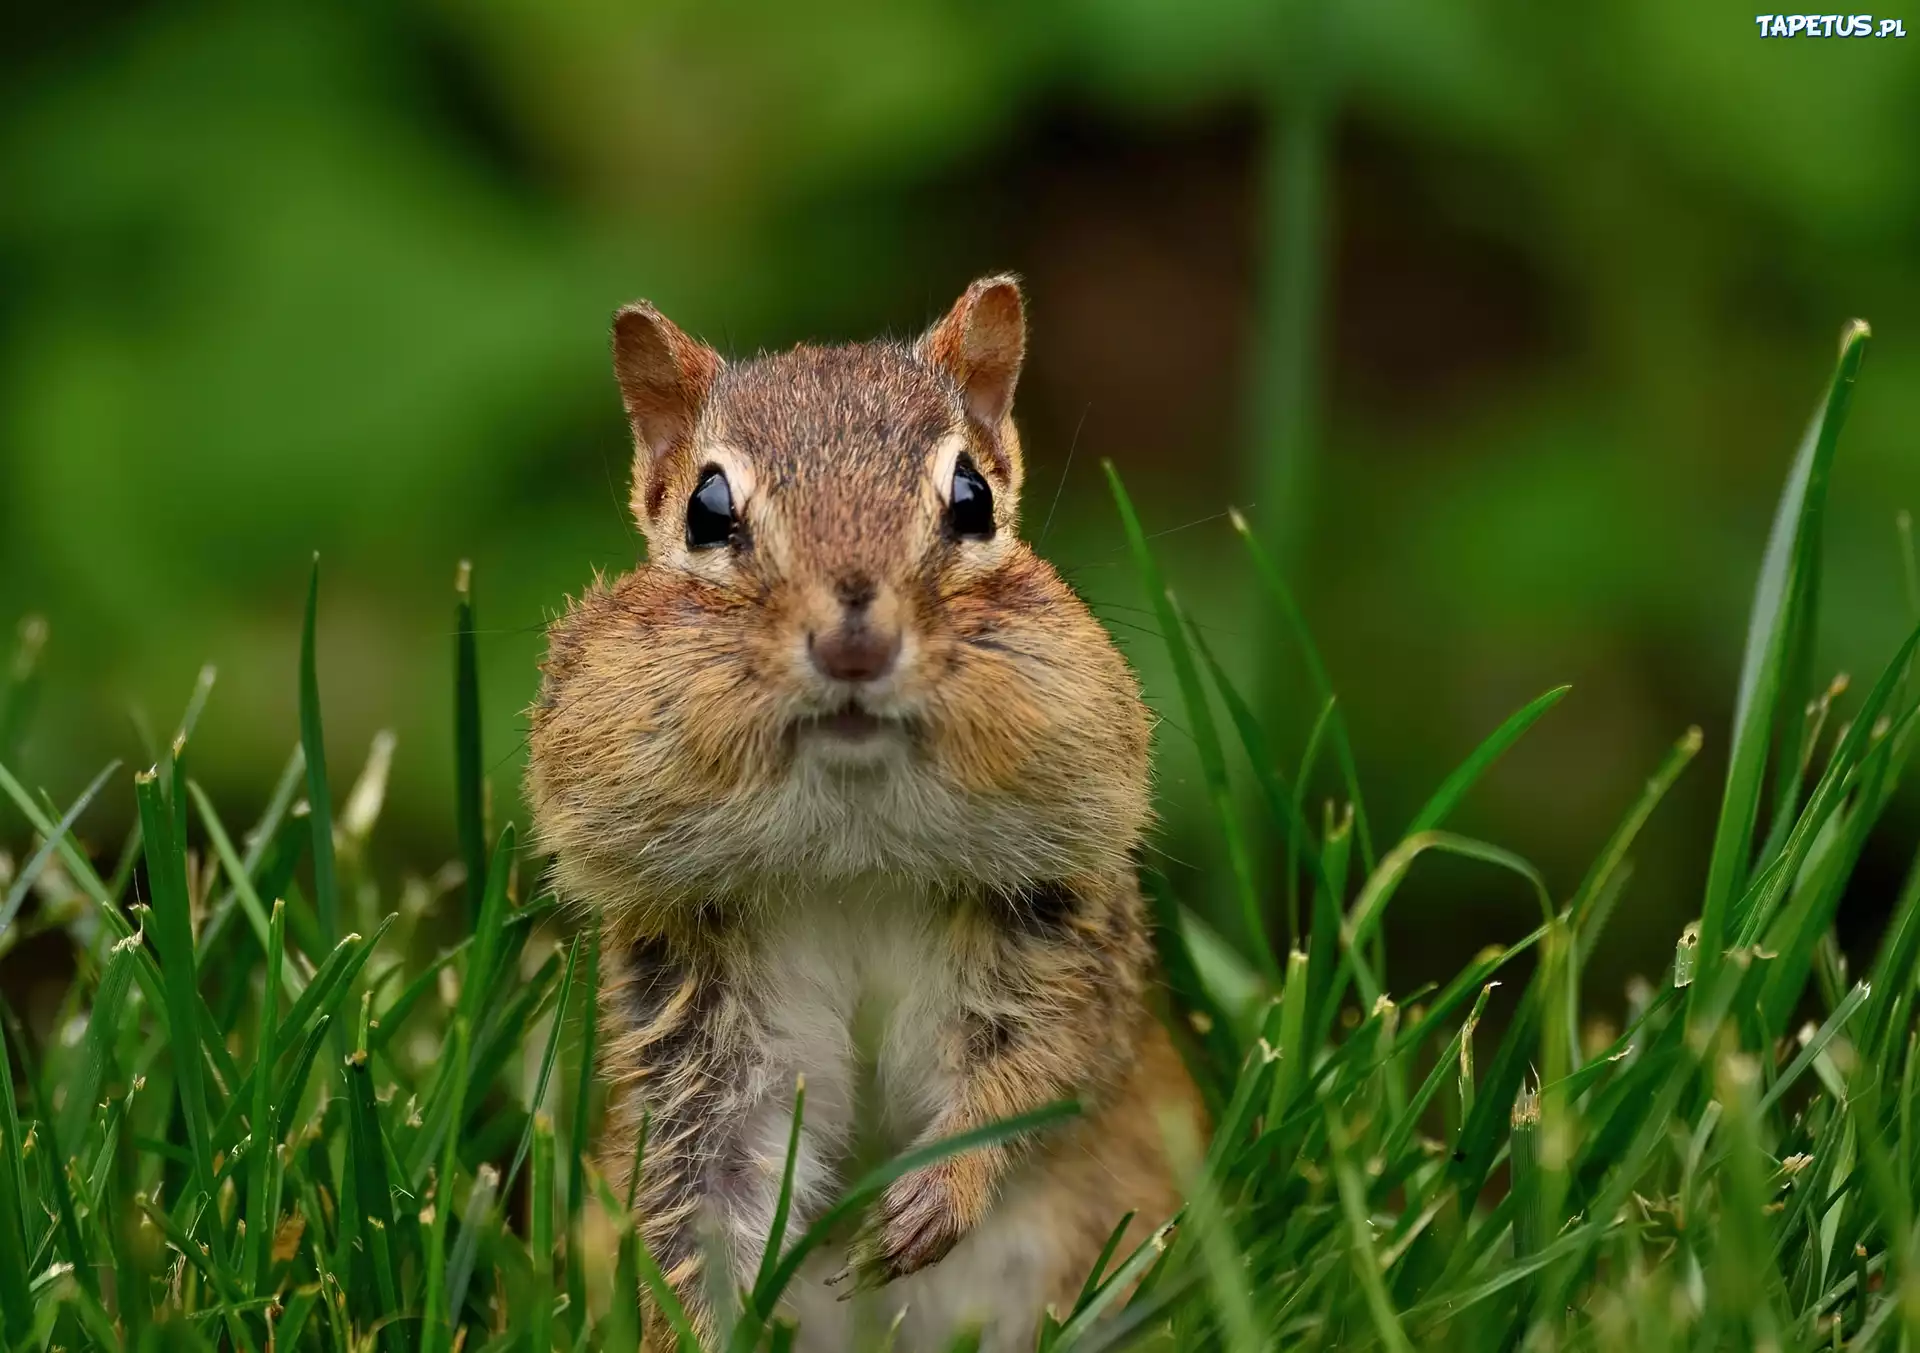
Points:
[(851, 726), (852, 722)]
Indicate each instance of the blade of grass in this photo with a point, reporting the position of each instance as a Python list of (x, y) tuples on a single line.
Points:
[(104, 1025), (1297, 835), (1290, 1044), (173, 938), (577, 1142), (258, 1255), (1401, 1134), (24, 881), (294, 1087), (871, 1185), (1780, 626), (319, 999), (326, 891), (1894, 966), (1353, 1207), (271, 855), (1613, 855), (1092, 1286), (467, 768), (238, 876), (1276, 585), (203, 1262), (637, 1267), (332, 980), (540, 1303), (476, 984), (1095, 1303), (1758, 906), (367, 1159), (1454, 788), (1260, 756), (1219, 1249), (1206, 737), (547, 1060), (1799, 927), (394, 1017), (436, 1333), (1364, 917), (1816, 1045), (783, 1204), (16, 1302), (1326, 955)]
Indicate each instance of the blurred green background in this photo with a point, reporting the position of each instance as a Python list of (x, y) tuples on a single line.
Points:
[(278, 279)]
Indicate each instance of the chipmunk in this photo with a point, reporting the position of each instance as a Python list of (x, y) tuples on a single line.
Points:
[(845, 742)]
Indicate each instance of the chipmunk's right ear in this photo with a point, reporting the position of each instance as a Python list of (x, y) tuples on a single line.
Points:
[(665, 377)]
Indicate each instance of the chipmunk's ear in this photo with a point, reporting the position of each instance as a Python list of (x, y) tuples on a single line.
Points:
[(664, 377), (980, 343)]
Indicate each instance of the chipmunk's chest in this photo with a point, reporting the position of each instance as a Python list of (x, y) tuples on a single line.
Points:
[(858, 989)]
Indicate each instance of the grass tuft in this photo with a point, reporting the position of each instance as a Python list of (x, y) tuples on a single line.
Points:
[(274, 1118)]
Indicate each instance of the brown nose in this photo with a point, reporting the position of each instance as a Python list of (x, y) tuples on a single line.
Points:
[(855, 651)]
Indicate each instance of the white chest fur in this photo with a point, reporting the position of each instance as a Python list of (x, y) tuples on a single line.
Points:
[(847, 982), (856, 989)]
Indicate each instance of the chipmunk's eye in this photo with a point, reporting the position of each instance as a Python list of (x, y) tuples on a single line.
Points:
[(970, 507), (710, 521)]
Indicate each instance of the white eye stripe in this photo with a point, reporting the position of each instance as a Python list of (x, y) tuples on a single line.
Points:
[(946, 455), (731, 462)]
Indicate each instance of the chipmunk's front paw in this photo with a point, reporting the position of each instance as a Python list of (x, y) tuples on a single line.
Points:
[(917, 1220)]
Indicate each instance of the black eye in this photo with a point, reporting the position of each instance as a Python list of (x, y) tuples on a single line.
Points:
[(970, 509), (710, 512)]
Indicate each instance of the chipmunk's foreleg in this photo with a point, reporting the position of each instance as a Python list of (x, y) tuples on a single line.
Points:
[(1049, 1011), (680, 1056)]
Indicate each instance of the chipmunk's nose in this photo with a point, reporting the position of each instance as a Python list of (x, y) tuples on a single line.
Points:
[(854, 654), (863, 646)]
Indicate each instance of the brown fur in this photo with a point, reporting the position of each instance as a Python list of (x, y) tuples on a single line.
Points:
[(666, 780)]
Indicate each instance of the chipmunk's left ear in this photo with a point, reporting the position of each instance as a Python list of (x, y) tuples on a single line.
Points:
[(980, 343), (664, 378)]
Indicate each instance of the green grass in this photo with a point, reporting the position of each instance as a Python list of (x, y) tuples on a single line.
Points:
[(275, 1117)]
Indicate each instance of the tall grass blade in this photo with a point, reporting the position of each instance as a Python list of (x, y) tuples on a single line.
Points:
[(1757, 908), (1219, 1248), (239, 877), (1260, 756), (1613, 855), (783, 1204), (1281, 595), (1780, 631), (436, 1334), (30, 872), (260, 1155), (1353, 1209), (540, 1301), (1454, 788), (16, 1300), (367, 1160), (577, 1150), (173, 939), (547, 1061), (326, 889), (469, 800), (871, 1185), (1206, 737)]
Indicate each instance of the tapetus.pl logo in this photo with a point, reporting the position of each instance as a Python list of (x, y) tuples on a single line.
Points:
[(1828, 26)]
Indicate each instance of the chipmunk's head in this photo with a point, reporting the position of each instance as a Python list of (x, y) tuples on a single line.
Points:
[(840, 656)]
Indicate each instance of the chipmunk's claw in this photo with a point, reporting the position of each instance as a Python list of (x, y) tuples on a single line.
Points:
[(866, 1269), (913, 1226)]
